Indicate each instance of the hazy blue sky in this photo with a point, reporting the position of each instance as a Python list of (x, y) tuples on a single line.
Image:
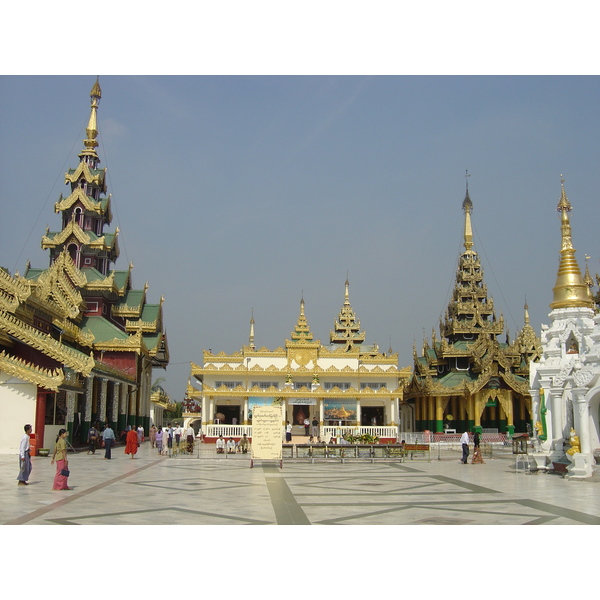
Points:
[(240, 193)]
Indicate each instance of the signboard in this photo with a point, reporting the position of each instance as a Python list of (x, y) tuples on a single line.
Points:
[(266, 433), (303, 401)]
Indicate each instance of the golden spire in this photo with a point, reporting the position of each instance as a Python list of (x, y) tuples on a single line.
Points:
[(347, 327), (251, 340), (467, 206), (570, 289), (302, 332), (91, 130)]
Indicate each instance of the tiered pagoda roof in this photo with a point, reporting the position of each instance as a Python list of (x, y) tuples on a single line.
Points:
[(92, 303), (469, 357)]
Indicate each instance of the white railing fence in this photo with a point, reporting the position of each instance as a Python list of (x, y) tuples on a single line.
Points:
[(234, 431)]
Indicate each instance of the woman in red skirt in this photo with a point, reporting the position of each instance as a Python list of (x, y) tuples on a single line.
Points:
[(62, 464)]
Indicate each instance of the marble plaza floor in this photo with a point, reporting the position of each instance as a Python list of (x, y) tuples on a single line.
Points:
[(211, 489)]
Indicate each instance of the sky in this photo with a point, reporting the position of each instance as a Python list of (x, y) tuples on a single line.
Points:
[(239, 195)]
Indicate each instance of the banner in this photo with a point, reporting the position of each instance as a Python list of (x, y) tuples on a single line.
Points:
[(339, 410), (303, 401)]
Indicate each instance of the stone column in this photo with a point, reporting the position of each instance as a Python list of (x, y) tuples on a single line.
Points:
[(557, 419), (71, 400), (581, 416), (102, 408), (392, 419), (535, 407), (245, 411), (431, 413), (89, 395), (439, 414), (471, 413), (477, 411), (358, 412)]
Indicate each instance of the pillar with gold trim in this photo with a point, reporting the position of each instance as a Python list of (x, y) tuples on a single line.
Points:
[(439, 414)]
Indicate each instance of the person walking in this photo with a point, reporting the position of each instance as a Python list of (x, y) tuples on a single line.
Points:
[(140, 434), (108, 436), (288, 432), (92, 437), (159, 440), (464, 440), (131, 443), (169, 433), (24, 457), (306, 426), (62, 464), (153, 436)]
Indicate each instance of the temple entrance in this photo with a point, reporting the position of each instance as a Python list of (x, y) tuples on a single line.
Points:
[(229, 413), (371, 416)]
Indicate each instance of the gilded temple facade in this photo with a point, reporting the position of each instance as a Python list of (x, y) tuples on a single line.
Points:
[(346, 384), (467, 379), (77, 342), (565, 384)]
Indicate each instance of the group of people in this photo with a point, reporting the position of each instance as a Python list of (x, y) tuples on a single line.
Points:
[(166, 439), (231, 446), (464, 440), (59, 456)]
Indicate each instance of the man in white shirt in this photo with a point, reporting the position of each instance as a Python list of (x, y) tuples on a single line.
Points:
[(24, 457), (464, 440)]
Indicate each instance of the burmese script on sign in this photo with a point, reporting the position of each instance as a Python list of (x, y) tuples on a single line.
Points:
[(266, 432)]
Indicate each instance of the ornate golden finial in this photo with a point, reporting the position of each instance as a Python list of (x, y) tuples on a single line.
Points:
[(526, 309), (587, 278), (467, 206), (347, 327), (570, 289), (91, 130), (302, 332), (251, 338)]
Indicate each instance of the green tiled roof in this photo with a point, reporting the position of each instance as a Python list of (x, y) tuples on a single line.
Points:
[(92, 274), (152, 341), (132, 298), (150, 313), (454, 379), (121, 278), (34, 273), (103, 329)]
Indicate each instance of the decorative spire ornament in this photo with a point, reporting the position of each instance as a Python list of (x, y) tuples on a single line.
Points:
[(570, 289)]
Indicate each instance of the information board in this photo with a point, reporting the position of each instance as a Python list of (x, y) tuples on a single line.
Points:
[(266, 433)]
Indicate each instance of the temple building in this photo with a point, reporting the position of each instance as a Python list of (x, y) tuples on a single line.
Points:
[(565, 384), (77, 342), (345, 385), (468, 379)]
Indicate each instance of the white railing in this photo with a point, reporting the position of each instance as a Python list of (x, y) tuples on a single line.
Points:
[(449, 439), (381, 431), (326, 431), (234, 431)]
